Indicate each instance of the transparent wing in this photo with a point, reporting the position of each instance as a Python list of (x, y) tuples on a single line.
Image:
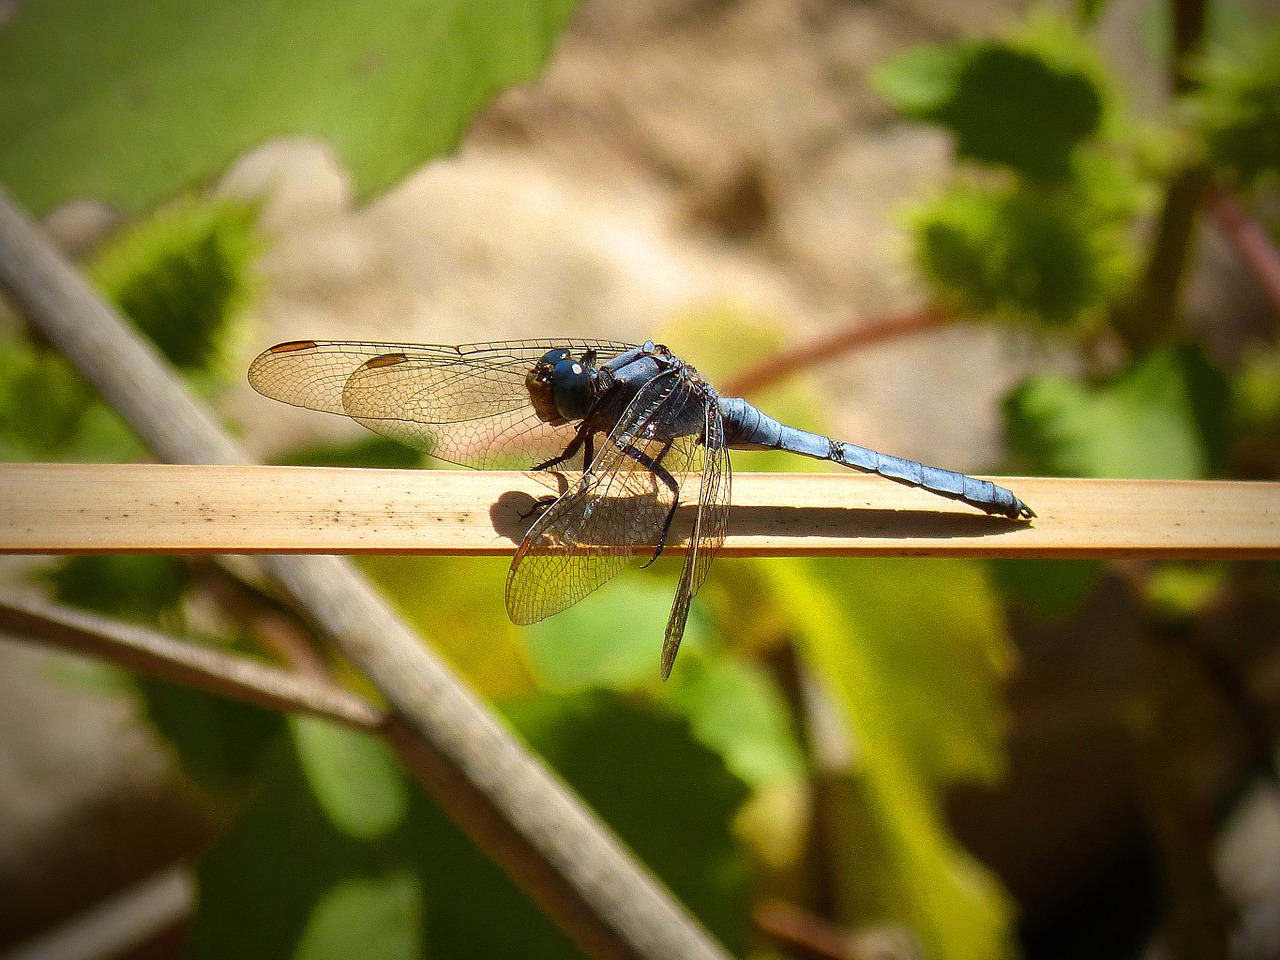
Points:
[(465, 404), (591, 532), (709, 525)]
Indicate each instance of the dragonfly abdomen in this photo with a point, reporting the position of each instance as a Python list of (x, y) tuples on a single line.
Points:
[(746, 428), (982, 494)]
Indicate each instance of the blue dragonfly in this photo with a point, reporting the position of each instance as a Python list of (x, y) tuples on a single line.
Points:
[(644, 429)]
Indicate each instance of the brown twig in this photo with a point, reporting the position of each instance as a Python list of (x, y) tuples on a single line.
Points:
[(1151, 315), (167, 658), (515, 808), (278, 632), (1250, 242), (83, 508), (854, 336), (805, 933)]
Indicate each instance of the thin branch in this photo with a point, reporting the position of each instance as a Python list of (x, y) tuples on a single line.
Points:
[(275, 628), (167, 658), (1189, 20), (854, 336), (1250, 242), (125, 925), (81, 508), (805, 933), (528, 821), (1153, 313)]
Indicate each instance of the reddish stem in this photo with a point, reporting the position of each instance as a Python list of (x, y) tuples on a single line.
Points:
[(853, 336), (804, 933), (1250, 242)]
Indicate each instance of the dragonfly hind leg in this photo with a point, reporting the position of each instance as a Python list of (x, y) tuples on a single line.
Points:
[(654, 465)]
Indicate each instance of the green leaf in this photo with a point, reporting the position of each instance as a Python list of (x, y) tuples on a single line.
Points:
[(135, 586), (219, 743), (922, 80), (458, 603), (182, 275), (284, 880), (1162, 418), (42, 400), (610, 751), (1054, 257), (103, 437), (734, 708), (133, 103), (913, 654), (379, 918), (48, 411), (353, 777), (1238, 107), (679, 823), (611, 638), (370, 451), (1004, 105), (1049, 588)]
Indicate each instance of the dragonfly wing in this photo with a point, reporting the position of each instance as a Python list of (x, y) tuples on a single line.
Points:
[(591, 532), (709, 525), (467, 404)]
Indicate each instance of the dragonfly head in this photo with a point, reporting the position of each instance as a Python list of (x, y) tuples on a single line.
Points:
[(560, 387)]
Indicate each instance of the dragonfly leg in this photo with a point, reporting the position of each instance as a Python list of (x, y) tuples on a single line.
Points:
[(654, 464), (582, 436), (540, 506)]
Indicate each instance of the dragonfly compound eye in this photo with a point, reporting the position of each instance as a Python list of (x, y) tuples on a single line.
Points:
[(539, 382), (552, 357), (571, 387)]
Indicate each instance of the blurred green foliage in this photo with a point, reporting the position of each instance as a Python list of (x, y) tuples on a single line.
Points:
[(1180, 592), (913, 654), (135, 586), (42, 400), (1053, 256), (1036, 228), (1164, 417), (567, 651), (1045, 225), (984, 92), (1050, 589), (182, 275), (353, 778), (1237, 109), (293, 879), (132, 104)]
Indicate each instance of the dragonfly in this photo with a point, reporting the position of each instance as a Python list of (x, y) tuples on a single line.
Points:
[(645, 431)]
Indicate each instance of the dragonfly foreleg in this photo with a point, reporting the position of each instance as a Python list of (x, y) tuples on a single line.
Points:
[(583, 436)]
